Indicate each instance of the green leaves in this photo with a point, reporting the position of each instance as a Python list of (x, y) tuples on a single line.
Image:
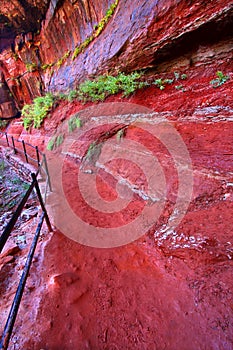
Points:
[(161, 83), (3, 124), (221, 79), (105, 85), (34, 114), (98, 28), (74, 123), (55, 142)]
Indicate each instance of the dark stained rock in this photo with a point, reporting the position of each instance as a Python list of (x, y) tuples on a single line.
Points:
[(7, 102)]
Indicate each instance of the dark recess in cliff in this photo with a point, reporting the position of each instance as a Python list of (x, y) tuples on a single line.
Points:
[(209, 34), (20, 17)]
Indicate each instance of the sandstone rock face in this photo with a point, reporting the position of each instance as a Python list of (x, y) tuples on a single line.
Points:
[(137, 37), (19, 17), (171, 289), (7, 104), (141, 34)]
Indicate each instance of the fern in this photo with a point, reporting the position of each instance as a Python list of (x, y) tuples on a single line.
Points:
[(105, 85), (221, 79), (34, 114), (74, 123)]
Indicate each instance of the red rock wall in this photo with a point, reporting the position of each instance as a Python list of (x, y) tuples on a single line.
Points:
[(65, 25), (141, 34)]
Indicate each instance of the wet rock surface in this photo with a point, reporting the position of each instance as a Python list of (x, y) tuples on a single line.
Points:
[(172, 288)]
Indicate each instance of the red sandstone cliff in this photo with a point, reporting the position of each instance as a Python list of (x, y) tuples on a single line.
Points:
[(141, 34), (168, 290)]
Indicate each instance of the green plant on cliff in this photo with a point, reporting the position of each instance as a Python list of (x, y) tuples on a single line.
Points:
[(221, 79), (63, 58), (93, 152), (47, 65), (35, 113), (31, 67), (105, 85), (3, 124), (98, 28), (161, 83), (59, 140), (55, 142), (180, 88), (51, 144), (74, 123), (72, 95), (128, 83)]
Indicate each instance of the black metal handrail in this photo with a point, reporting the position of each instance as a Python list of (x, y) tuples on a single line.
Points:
[(11, 142), (41, 165), (40, 159), (3, 239)]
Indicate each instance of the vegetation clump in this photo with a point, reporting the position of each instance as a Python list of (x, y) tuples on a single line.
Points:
[(105, 85), (34, 114), (221, 79), (63, 58), (160, 83), (74, 123), (97, 30), (3, 124), (31, 67), (57, 140), (93, 90)]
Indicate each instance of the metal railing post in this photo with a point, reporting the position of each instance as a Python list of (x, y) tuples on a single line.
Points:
[(25, 152), (19, 293), (47, 172), (38, 156), (41, 201), (7, 141), (13, 143), (14, 218)]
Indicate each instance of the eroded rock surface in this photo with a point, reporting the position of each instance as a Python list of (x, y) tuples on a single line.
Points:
[(171, 289), (140, 35)]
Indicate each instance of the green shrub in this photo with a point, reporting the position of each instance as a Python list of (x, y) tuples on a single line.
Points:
[(35, 113), (177, 75), (63, 58), (3, 124), (93, 151), (59, 140), (183, 76), (51, 144), (62, 96), (74, 123), (105, 85), (47, 65), (31, 67), (73, 94), (160, 83), (128, 83), (221, 79), (180, 88)]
